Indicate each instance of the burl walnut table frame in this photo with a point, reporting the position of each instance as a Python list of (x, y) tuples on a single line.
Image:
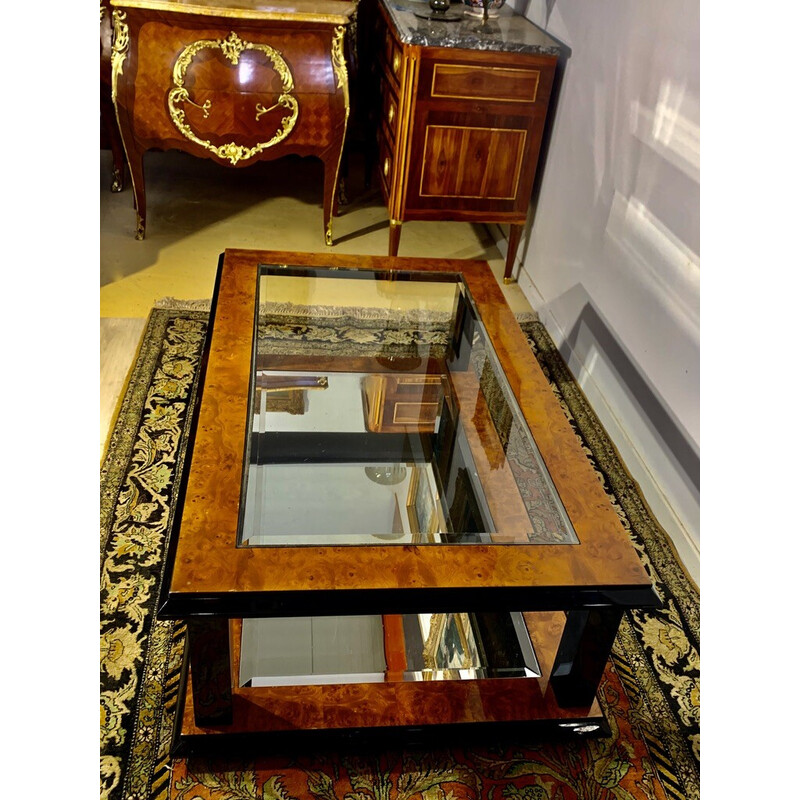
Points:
[(213, 583), (236, 82)]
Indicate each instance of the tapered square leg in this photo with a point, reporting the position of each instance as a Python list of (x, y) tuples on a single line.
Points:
[(514, 237), (583, 654), (395, 229), (210, 661)]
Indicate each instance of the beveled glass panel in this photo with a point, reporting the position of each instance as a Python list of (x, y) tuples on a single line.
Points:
[(296, 651), (380, 415)]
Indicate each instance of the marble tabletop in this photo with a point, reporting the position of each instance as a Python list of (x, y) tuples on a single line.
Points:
[(508, 32)]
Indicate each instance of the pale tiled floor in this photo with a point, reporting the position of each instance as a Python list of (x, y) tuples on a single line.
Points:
[(196, 209)]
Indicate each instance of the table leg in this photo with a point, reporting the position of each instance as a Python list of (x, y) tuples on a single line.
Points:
[(583, 654), (109, 122), (330, 204), (395, 228), (344, 173), (514, 236), (210, 661), (136, 166)]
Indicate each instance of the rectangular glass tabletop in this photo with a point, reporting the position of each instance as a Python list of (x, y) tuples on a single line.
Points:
[(379, 414), (375, 436)]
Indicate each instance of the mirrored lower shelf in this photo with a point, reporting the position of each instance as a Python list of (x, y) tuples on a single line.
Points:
[(303, 651), (327, 706)]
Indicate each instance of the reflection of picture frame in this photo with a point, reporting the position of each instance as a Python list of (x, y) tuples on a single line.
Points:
[(450, 643), (286, 393), (287, 401), (397, 520), (423, 508), (276, 383), (400, 403), (465, 512)]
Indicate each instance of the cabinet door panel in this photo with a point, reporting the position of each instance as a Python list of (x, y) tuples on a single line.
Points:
[(466, 164), (471, 162)]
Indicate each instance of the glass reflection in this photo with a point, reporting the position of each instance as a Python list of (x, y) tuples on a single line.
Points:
[(380, 414), (375, 649)]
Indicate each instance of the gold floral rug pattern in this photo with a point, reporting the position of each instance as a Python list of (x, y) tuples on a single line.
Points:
[(650, 692)]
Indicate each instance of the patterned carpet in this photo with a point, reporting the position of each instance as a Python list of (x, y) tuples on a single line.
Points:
[(650, 691)]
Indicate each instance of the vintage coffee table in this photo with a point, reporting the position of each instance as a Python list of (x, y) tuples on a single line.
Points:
[(385, 515)]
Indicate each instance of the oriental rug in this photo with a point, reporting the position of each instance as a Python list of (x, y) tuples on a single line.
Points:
[(649, 693)]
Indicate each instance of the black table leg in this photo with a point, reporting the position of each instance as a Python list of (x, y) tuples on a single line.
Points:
[(583, 653), (210, 661)]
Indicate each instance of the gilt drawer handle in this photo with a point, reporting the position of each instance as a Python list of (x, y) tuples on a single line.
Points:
[(386, 164), (231, 47), (391, 114), (396, 63)]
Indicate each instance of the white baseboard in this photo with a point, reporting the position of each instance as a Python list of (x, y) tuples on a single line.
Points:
[(682, 540), (663, 511)]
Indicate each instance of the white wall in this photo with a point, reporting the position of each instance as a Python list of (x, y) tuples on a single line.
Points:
[(612, 260)]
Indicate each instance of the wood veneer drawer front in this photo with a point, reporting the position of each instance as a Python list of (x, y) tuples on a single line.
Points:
[(279, 73), (390, 107), (393, 56), (385, 164), (483, 82)]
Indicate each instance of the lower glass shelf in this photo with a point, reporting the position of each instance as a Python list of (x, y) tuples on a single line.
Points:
[(302, 651), (285, 688)]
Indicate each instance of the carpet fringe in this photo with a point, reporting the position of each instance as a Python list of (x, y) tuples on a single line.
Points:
[(173, 304), (331, 312)]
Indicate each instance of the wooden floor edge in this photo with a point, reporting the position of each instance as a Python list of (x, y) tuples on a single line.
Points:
[(114, 418)]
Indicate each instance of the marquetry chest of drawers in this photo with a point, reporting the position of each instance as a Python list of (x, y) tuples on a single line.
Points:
[(461, 110), (235, 81)]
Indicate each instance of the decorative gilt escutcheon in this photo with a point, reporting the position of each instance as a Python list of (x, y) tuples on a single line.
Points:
[(231, 47)]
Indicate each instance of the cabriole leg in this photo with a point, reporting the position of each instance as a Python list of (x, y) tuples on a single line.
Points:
[(136, 166), (330, 203), (115, 143)]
